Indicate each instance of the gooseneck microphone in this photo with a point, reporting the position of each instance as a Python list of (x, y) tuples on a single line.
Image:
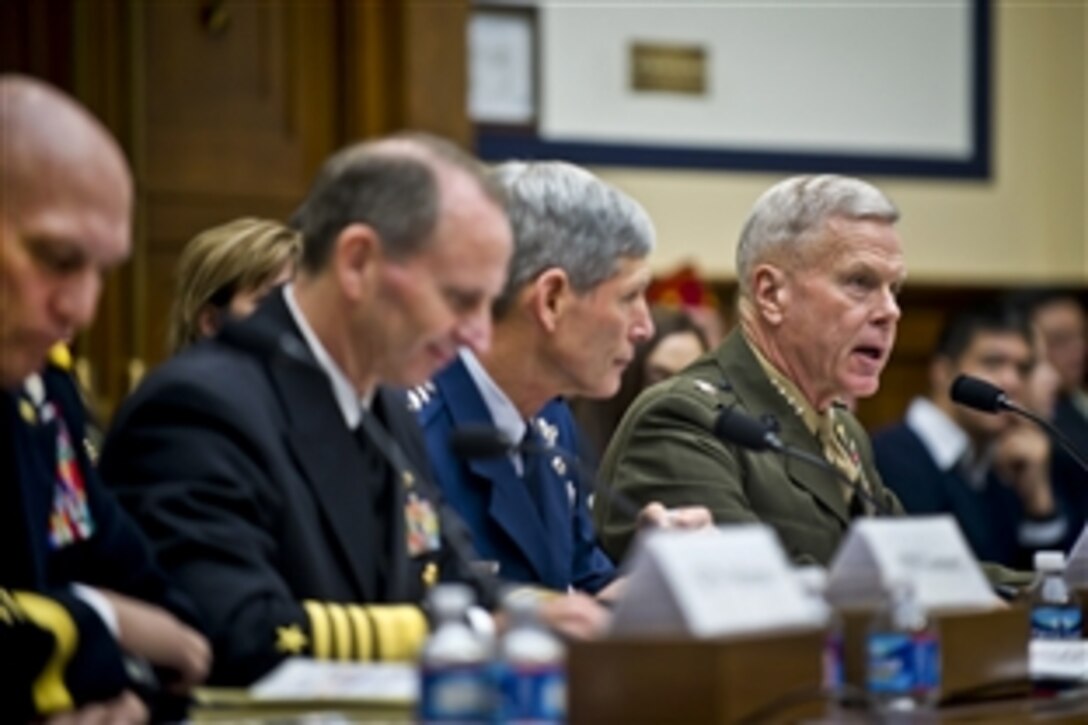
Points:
[(971, 392), (485, 441), (734, 426)]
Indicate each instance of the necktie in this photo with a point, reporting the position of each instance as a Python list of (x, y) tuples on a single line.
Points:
[(840, 453), (532, 457)]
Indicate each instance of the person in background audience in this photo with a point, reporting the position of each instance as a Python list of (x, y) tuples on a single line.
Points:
[(676, 343), (225, 272), (990, 472), (685, 289), (80, 594), (567, 323), (819, 264), (1060, 318)]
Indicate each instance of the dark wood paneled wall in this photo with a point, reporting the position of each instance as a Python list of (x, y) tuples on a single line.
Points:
[(226, 108)]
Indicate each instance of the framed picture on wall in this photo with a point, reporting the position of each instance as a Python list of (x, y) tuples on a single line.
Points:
[(503, 72), (880, 87)]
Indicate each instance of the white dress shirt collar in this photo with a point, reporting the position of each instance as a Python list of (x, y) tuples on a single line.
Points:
[(945, 441), (348, 400), (504, 414)]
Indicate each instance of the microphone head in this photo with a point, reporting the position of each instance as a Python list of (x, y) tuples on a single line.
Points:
[(479, 441), (978, 394), (733, 426)]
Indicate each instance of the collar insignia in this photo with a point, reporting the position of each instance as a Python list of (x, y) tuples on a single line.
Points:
[(547, 431)]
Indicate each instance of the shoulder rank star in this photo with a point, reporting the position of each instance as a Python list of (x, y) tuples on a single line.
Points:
[(420, 395), (705, 387), (548, 432)]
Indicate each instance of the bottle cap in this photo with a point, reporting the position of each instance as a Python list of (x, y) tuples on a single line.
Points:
[(451, 598), (812, 578), (522, 599), (1052, 561)]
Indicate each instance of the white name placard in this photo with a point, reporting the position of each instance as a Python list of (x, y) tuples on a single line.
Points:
[(927, 551), (712, 583)]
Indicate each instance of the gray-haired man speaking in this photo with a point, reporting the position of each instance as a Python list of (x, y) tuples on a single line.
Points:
[(819, 264)]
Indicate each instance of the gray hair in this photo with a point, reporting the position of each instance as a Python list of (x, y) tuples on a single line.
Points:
[(391, 185), (794, 212), (565, 217)]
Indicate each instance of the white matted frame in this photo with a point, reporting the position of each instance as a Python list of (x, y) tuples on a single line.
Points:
[(873, 87)]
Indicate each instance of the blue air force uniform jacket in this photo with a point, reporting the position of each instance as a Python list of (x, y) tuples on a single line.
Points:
[(537, 527), (58, 526), (293, 535)]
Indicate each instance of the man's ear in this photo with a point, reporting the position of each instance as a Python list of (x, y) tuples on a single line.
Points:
[(549, 294), (355, 254), (209, 320), (770, 293)]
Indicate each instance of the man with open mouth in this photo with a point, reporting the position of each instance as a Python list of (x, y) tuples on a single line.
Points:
[(819, 264)]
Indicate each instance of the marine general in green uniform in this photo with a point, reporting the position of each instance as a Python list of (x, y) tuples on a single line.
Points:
[(819, 264)]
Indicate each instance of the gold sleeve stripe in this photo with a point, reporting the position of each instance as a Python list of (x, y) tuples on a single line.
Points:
[(320, 634), (401, 630), (49, 690), (9, 610), (361, 628), (341, 631)]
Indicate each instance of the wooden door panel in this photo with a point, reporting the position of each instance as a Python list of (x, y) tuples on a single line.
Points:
[(247, 109), (238, 107)]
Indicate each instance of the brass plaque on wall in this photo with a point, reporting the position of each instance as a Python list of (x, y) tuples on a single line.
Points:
[(668, 68)]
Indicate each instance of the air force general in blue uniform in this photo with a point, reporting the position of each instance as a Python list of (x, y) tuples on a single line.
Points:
[(527, 512)]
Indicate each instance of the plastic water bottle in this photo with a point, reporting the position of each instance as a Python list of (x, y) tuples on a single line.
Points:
[(456, 684), (904, 655), (814, 582), (1055, 608), (531, 667)]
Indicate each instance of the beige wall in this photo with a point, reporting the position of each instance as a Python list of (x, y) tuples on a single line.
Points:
[(1029, 222)]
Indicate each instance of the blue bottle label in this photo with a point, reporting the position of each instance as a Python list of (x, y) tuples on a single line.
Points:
[(902, 663), (537, 694), (461, 693), (1056, 622)]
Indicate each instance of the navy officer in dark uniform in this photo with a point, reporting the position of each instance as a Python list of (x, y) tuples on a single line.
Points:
[(80, 597), (281, 481)]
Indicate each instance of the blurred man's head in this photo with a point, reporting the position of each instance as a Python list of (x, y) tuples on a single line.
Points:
[(64, 220), (820, 265), (993, 343), (578, 276), (409, 242), (1060, 318), (225, 271)]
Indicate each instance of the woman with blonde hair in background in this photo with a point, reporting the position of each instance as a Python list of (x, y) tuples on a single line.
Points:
[(226, 271)]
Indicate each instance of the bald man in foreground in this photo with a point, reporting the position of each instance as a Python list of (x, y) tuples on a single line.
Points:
[(81, 599)]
